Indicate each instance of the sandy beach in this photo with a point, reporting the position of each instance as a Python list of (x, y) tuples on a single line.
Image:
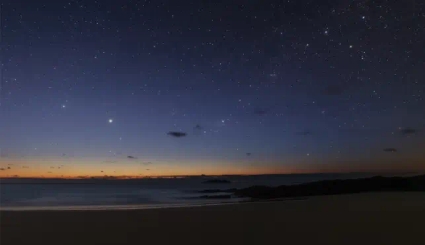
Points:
[(372, 218)]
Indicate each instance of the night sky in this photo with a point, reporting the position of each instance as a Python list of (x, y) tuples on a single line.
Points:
[(139, 88)]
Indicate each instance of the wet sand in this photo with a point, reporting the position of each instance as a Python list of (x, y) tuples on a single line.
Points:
[(372, 218)]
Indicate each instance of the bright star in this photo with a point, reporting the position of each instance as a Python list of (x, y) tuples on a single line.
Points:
[(111, 120)]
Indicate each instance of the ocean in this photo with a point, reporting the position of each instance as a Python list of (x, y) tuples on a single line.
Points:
[(140, 193)]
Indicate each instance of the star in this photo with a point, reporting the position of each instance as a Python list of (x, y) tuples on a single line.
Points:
[(163, 86)]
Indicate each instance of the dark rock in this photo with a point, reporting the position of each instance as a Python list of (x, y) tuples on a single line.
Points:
[(216, 181), (217, 191), (215, 197)]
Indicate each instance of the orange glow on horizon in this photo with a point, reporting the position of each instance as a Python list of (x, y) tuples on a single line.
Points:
[(85, 169)]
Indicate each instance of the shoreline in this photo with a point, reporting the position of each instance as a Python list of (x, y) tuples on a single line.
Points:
[(138, 206), (107, 207)]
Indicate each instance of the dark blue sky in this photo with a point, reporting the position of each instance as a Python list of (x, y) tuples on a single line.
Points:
[(297, 84)]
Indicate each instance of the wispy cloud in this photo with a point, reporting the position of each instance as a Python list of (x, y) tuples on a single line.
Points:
[(108, 161), (390, 150), (408, 130), (261, 112), (198, 129), (333, 90), (177, 134), (304, 133)]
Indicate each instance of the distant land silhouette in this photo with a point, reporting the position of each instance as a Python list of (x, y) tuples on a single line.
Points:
[(334, 187)]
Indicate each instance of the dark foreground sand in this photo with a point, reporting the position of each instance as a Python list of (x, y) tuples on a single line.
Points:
[(374, 218)]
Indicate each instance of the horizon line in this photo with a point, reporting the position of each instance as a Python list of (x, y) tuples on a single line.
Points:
[(202, 175)]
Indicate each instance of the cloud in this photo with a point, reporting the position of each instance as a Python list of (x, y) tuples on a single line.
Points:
[(264, 111), (390, 150), (177, 134), (197, 130), (261, 112), (8, 167), (333, 90), (304, 133), (248, 153), (407, 131), (147, 163), (107, 161), (1, 169), (5, 154), (132, 157)]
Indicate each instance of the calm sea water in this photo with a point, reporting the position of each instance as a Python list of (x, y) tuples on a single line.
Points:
[(150, 192)]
